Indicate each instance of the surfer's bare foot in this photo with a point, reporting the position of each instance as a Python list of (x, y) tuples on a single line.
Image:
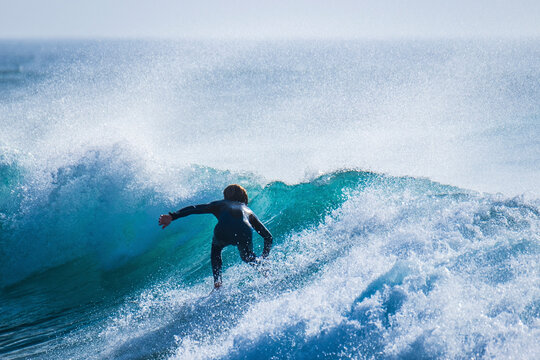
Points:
[(217, 285)]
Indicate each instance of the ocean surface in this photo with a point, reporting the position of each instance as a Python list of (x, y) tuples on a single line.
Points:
[(400, 179)]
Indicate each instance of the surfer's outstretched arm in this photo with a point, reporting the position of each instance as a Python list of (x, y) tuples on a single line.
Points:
[(195, 209), (263, 231), (165, 219)]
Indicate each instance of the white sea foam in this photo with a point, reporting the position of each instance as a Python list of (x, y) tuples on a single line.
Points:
[(396, 273)]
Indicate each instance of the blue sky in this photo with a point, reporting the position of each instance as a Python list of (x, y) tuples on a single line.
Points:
[(268, 19)]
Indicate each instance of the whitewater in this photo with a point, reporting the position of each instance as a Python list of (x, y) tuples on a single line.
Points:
[(400, 180)]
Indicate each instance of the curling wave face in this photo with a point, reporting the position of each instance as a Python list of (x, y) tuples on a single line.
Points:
[(364, 266)]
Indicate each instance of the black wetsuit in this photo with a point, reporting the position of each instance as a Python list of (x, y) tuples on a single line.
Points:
[(235, 227)]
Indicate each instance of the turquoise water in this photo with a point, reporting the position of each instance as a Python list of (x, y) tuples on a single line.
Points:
[(399, 181)]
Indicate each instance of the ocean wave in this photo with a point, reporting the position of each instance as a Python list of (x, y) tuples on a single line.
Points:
[(379, 267), (100, 137)]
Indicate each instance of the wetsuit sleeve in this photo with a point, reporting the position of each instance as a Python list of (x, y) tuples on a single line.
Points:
[(196, 209), (263, 231)]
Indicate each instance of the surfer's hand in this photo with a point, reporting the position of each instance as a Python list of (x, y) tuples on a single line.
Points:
[(217, 285), (164, 220)]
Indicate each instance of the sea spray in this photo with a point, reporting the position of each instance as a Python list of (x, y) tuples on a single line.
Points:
[(376, 165)]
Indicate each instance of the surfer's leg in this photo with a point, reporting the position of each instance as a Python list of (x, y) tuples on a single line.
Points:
[(248, 256), (245, 248), (215, 257)]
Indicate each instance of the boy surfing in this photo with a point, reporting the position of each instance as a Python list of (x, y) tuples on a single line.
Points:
[(235, 226)]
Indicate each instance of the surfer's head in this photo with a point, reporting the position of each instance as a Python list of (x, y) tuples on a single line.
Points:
[(235, 192)]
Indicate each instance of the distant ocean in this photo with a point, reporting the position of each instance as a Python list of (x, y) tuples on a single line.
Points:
[(400, 179)]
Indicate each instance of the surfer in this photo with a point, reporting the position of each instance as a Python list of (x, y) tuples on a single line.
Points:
[(235, 227)]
